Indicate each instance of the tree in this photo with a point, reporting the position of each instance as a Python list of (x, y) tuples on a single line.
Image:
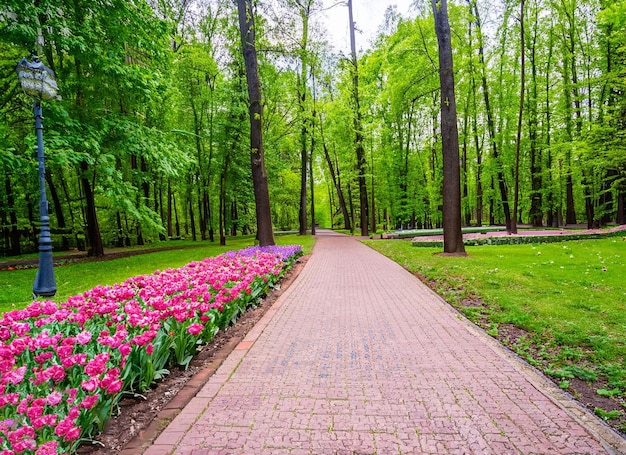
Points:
[(358, 130), (518, 142), (265, 232), (452, 234), (490, 119)]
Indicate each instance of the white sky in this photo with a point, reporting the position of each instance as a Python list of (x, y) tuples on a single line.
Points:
[(368, 16)]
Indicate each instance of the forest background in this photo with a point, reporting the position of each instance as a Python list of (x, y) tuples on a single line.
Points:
[(150, 139)]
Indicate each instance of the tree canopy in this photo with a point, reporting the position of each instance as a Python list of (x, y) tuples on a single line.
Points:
[(150, 139)]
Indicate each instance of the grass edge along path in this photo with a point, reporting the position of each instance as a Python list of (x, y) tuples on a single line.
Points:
[(64, 367), (561, 307)]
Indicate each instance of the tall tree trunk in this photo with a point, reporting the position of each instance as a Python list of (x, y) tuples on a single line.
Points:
[(452, 234), (304, 132), (477, 144), (407, 218), (372, 205), (234, 218), (621, 207), (16, 248), (536, 209), (169, 209), (568, 65), (358, 129), (58, 210), (553, 207), (96, 248), (176, 221), (479, 181), (265, 231), (211, 82), (490, 123), (204, 210), (222, 194), (351, 201), (222, 220), (331, 205), (192, 217), (467, 212), (141, 200), (304, 159), (349, 224), (334, 174), (336, 182), (312, 183), (145, 185), (198, 115), (520, 117), (120, 230)]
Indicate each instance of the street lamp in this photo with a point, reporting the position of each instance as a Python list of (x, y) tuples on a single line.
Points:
[(38, 81)]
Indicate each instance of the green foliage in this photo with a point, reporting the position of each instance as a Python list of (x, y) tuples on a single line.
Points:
[(153, 111), (609, 393), (608, 415), (571, 372)]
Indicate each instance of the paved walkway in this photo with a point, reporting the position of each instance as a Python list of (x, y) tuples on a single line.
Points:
[(359, 357)]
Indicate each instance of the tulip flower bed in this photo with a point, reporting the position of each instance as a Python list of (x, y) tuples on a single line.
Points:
[(64, 367)]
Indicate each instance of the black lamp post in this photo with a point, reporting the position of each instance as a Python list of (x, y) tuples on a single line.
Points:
[(38, 81)]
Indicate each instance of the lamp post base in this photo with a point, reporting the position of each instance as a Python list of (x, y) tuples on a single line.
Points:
[(45, 283)]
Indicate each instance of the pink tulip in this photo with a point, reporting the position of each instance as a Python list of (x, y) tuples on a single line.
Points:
[(71, 394), (15, 376), (114, 387), (90, 385), (125, 349), (54, 398), (89, 401), (83, 337), (195, 329), (97, 366), (48, 448)]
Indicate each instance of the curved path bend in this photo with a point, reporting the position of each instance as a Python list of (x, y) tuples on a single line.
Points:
[(359, 357)]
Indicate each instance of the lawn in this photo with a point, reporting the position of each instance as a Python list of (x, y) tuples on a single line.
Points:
[(568, 298), (16, 285)]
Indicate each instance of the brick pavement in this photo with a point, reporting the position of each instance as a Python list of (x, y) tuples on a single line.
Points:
[(359, 357)]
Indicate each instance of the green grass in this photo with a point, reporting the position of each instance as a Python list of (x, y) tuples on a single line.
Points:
[(570, 297), (16, 286)]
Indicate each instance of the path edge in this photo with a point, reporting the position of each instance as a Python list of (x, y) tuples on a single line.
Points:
[(608, 437), (146, 437)]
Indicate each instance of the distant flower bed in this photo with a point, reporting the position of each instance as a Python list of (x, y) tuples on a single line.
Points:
[(522, 239), (64, 368)]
